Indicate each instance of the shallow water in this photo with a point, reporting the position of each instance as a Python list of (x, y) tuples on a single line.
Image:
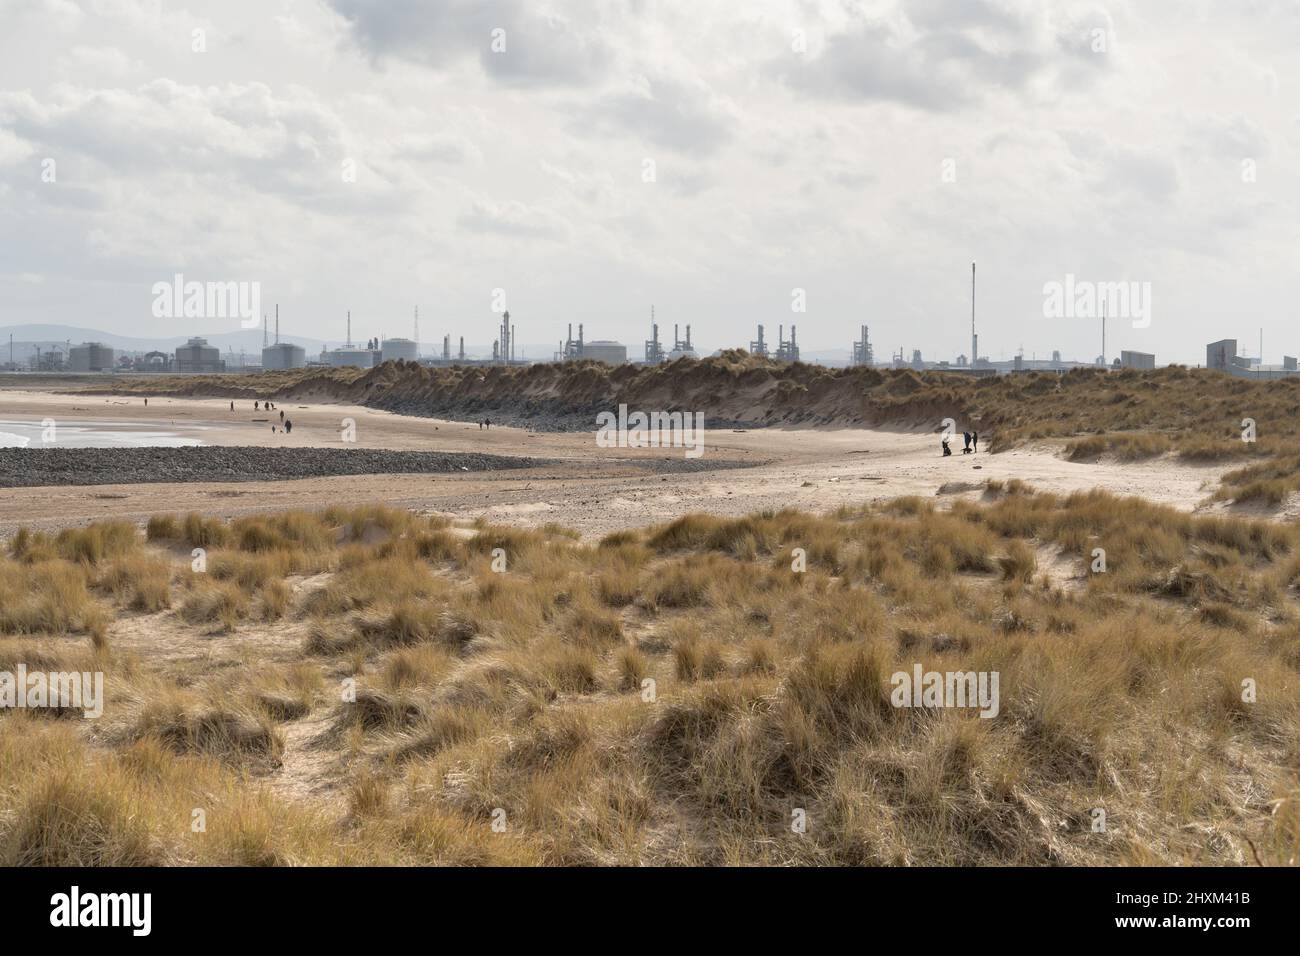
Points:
[(75, 434)]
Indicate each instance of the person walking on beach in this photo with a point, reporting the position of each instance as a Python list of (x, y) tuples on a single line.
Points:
[(966, 448), (282, 416), (232, 406), (946, 450), (975, 440), (288, 426)]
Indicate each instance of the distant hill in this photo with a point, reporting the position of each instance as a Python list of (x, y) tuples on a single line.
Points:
[(248, 339)]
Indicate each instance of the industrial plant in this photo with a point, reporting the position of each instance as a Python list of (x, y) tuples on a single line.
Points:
[(198, 356)]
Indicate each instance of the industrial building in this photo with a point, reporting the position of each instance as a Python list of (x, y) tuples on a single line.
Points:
[(154, 362), (91, 357), (1129, 359), (197, 355), (49, 360), (1221, 354)]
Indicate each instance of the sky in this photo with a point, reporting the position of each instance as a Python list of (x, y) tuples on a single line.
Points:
[(822, 163)]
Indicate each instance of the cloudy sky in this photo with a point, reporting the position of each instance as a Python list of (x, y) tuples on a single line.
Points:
[(592, 157)]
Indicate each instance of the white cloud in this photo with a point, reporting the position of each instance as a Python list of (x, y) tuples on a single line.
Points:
[(774, 169), (98, 63)]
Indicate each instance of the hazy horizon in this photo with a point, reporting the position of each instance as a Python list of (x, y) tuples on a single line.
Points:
[(719, 162)]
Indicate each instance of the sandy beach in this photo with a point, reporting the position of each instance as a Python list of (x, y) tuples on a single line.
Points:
[(586, 488)]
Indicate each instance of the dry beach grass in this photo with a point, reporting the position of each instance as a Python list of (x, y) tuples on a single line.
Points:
[(369, 685)]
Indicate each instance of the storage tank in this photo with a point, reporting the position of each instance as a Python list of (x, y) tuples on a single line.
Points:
[(393, 349), (90, 357), (361, 358), (612, 353), (197, 355), (284, 355)]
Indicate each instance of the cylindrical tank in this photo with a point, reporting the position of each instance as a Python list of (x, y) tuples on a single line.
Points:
[(613, 353), (283, 355), (394, 349), (362, 358)]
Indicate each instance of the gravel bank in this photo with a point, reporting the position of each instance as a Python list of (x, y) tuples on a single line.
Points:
[(36, 467), (30, 467)]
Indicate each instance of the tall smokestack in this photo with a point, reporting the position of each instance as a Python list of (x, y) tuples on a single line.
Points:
[(974, 339)]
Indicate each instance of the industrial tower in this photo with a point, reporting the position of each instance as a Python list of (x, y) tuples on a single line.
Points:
[(654, 353), (862, 354)]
